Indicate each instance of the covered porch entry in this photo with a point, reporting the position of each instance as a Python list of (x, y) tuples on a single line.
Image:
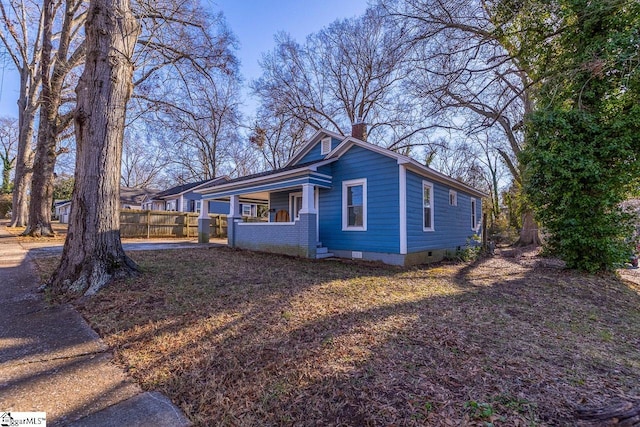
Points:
[(293, 201)]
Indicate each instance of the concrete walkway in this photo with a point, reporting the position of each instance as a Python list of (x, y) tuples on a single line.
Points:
[(52, 361)]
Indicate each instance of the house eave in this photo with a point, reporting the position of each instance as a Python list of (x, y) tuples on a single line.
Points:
[(194, 189), (287, 179)]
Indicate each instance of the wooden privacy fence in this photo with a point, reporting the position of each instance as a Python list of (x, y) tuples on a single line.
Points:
[(134, 223)]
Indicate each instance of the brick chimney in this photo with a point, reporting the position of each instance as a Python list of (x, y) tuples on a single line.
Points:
[(359, 130)]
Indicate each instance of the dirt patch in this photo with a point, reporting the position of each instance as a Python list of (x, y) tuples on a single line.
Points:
[(242, 338)]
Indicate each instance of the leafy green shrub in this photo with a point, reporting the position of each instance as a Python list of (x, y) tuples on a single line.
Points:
[(469, 252)]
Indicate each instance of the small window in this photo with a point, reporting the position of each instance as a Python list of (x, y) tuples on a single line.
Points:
[(427, 206), (453, 198), (246, 210), (354, 205), (325, 146), (198, 206), (473, 214)]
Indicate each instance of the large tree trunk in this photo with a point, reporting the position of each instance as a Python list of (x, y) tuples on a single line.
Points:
[(93, 254), (55, 65), (27, 107), (42, 182), (44, 162), (529, 234), (21, 185)]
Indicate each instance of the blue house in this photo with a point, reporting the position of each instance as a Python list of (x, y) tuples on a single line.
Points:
[(345, 197)]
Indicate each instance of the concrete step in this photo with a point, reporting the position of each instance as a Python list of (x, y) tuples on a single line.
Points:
[(322, 250)]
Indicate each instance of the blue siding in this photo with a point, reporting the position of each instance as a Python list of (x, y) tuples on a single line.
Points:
[(219, 207), (314, 154), (452, 224), (382, 233), (326, 169), (279, 201)]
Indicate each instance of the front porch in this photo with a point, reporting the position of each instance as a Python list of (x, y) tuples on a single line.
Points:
[(292, 227)]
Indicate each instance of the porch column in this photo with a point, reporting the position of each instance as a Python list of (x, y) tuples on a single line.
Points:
[(307, 223), (308, 199), (233, 217), (204, 222)]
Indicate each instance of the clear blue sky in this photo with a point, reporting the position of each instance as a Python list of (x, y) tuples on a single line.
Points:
[(254, 23)]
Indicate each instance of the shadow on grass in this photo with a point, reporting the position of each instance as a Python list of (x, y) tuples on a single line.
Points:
[(240, 338)]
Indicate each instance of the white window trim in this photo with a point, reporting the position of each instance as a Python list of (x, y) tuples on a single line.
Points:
[(430, 185), (292, 205), (474, 218), (250, 205), (324, 141), (453, 197), (345, 210)]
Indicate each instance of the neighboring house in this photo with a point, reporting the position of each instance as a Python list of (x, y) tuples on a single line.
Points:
[(62, 210), (355, 199), (130, 198), (185, 198), (182, 198)]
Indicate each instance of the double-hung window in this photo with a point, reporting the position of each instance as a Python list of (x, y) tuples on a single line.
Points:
[(427, 206), (354, 205)]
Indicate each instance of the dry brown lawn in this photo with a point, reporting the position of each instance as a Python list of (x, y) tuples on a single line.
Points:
[(60, 231), (250, 339)]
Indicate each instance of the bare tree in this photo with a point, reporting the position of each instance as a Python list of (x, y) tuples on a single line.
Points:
[(469, 70), (350, 71), (22, 23), (9, 136), (143, 160), (205, 121), (175, 41), (56, 66), (277, 137), (93, 253)]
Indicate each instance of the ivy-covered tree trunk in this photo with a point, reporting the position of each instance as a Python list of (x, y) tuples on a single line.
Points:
[(93, 254), (583, 154)]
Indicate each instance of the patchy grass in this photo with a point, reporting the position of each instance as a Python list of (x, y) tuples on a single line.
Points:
[(241, 338)]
